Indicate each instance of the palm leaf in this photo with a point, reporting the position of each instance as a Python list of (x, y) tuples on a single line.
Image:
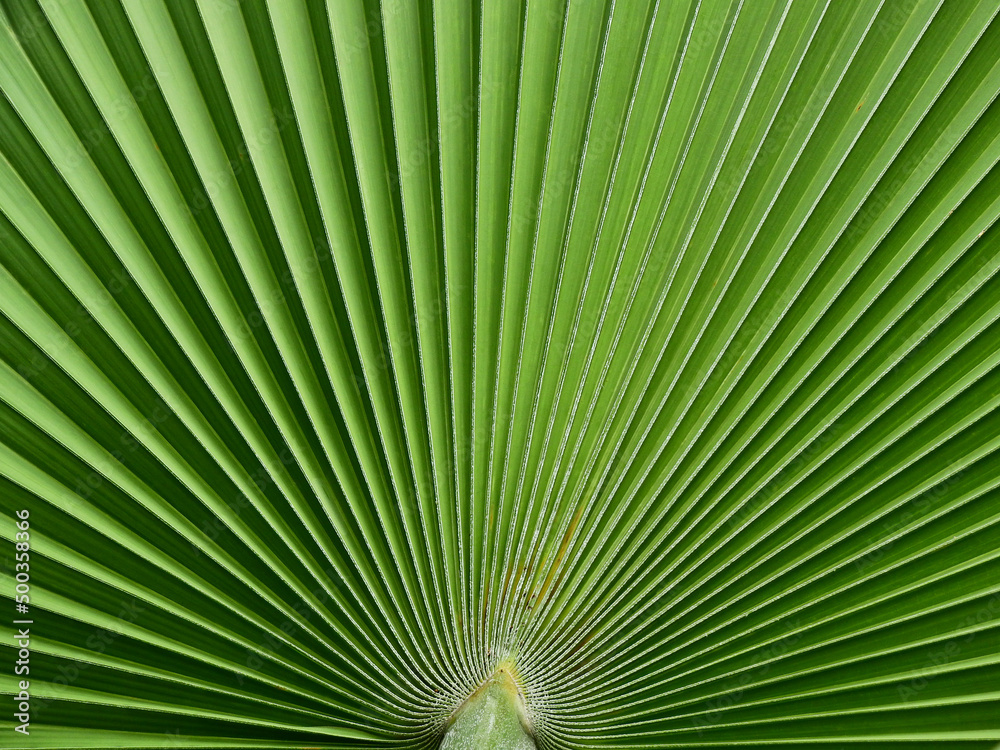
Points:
[(556, 373)]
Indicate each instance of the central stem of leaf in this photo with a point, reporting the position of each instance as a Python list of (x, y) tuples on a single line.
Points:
[(493, 718)]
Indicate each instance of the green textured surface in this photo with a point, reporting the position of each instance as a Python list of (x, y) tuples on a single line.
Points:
[(352, 350), (492, 719)]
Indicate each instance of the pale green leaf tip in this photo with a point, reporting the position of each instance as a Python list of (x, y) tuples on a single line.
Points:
[(493, 718)]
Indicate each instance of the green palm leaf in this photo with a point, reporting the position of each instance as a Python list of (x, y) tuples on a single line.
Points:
[(502, 374)]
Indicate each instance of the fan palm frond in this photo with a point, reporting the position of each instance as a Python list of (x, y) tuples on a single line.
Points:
[(563, 373)]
